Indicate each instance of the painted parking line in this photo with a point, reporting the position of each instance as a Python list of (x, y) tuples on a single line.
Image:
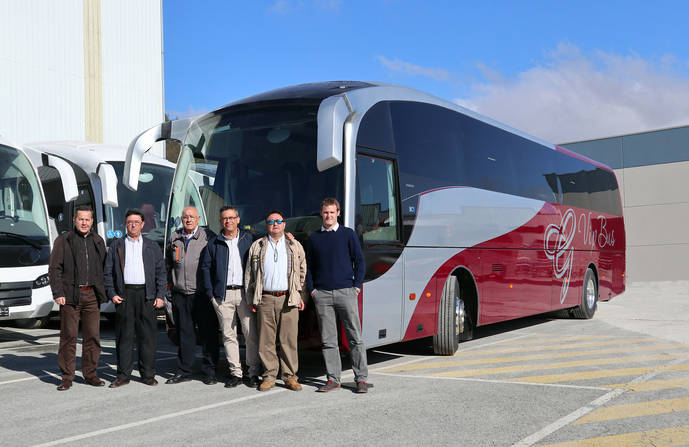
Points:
[(558, 365), (624, 411), (555, 339), (565, 346), (529, 357), (665, 437), (599, 374), (652, 385)]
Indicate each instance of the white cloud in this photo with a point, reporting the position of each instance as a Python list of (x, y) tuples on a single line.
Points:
[(415, 70), (575, 96)]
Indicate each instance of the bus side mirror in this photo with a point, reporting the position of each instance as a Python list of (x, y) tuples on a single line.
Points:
[(169, 130), (108, 184), (69, 180), (332, 114)]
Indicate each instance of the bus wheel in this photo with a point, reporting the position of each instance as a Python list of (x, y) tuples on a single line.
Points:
[(589, 298), (451, 318)]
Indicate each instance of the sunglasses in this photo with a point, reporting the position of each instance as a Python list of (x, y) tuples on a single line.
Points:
[(274, 221)]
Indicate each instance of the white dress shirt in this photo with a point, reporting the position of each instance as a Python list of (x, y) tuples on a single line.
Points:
[(275, 266), (134, 261), (235, 275), (333, 228)]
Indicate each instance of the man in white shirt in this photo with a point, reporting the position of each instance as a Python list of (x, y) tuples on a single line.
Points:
[(135, 280), (274, 281), (222, 266)]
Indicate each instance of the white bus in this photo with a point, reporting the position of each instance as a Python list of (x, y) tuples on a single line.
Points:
[(463, 221), (26, 237), (98, 170)]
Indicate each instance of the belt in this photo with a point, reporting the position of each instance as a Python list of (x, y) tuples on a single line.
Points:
[(135, 286), (276, 293), (233, 287), (85, 287)]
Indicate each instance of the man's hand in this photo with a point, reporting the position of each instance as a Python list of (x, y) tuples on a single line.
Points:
[(117, 299), (301, 305), (252, 308), (158, 303), (60, 300)]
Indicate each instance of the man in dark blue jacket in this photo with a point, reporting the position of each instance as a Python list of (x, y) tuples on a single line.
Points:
[(334, 277), (136, 281), (223, 263)]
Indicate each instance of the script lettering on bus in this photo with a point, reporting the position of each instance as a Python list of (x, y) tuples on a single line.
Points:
[(558, 239)]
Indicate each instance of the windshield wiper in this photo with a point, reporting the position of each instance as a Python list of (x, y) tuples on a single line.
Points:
[(21, 237)]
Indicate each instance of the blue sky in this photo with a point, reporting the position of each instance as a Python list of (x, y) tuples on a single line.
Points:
[(563, 71)]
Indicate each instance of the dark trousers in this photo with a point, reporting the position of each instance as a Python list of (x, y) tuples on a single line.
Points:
[(207, 322), (136, 318), (89, 311), (183, 313)]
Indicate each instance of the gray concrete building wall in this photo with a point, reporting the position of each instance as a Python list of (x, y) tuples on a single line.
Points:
[(652, 169)]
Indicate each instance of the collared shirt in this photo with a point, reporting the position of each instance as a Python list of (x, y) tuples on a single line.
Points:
[(187, 237), (134, 261), (333, 228), (275, 266), (235, 276)]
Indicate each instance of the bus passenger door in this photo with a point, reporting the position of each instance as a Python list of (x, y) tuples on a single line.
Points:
[(377, 224)]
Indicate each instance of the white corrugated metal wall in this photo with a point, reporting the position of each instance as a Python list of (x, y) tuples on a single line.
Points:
[(42, 74)]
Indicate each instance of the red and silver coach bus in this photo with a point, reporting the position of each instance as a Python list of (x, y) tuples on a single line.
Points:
[(463, 221)]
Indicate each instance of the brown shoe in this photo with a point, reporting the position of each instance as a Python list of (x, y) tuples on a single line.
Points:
[(292, 384), (266, 385), (150, 381), (361, 388), (94, 381), (329, 386), (64, 385), (118, 383)]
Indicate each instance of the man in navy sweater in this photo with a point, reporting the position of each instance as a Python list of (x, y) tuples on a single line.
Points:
[(335, 273)]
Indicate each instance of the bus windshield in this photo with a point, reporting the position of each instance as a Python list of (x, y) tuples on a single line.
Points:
[(151, 199), (24, 234), (257, 160)]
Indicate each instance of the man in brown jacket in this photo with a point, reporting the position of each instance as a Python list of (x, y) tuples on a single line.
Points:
[(76, 280), (274, 282)]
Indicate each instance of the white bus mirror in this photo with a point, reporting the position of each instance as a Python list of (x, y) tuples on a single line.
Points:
[(332, 114), (108, 184), (169, 130), (69, 180)]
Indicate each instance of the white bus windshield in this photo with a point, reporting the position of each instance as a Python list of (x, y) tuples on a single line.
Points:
[(24, 237), (257, 160), (151, 199)]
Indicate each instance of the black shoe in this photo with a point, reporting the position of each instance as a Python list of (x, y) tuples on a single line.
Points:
[(232, 382), (118, 383), (177, 378), (209, 380), (253, 382), (150, 381)]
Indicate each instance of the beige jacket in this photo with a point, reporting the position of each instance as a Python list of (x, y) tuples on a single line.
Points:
[(296, 272)]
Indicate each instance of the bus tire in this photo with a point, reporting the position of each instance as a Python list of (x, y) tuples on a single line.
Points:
[(589, 297), (446, 339)]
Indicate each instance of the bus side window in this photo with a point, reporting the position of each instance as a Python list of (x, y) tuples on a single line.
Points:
[(376, 209)]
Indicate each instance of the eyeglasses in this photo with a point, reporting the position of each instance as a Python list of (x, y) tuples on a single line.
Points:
[(274, 221), (229, 218)]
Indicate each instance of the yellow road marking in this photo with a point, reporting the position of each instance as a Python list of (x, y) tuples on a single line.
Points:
[(555, 347), (556, 365), (625, 411), (665, 437), (652, 385), (599, 374), (521, 358), (546, 337)]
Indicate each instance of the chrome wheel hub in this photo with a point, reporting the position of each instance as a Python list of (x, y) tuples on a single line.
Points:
[(590, 294)]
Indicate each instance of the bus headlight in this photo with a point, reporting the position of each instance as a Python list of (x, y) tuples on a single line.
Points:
[(41, 281)]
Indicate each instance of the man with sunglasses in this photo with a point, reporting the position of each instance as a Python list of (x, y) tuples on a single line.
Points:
[(223, 263), (274, 282)]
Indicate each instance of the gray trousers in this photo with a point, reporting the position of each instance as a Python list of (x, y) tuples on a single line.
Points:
[(342, 304)]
